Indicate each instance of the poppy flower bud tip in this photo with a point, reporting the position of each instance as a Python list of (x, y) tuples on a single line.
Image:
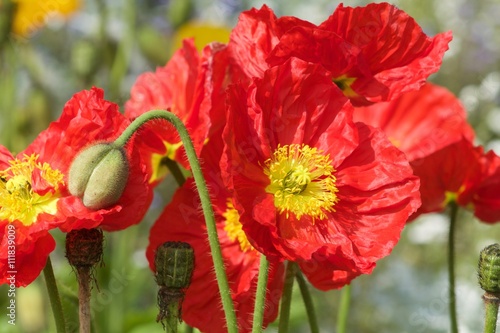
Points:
[(98, 175), (489, 269)]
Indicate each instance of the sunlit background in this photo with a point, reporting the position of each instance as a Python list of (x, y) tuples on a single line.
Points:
[(60, 47)]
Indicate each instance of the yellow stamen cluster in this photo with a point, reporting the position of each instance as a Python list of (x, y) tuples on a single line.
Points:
[(302, 181), (18, 201), (234, 229)]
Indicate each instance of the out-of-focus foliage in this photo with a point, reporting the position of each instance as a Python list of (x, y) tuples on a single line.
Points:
[(48, 56)]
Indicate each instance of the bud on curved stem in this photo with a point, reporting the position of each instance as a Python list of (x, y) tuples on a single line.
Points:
[(208, 212), (98, 175), (489, 280)]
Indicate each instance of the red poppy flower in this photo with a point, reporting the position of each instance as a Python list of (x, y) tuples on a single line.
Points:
[(485, 199), (462, 173), (309, 182), (420, 122), (190, 86), (35, 197), (374, 53), (449, 174), (182, 221), (426, 124)]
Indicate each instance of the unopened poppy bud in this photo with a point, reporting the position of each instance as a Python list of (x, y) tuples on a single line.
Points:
[(489, 269), (98, 175)]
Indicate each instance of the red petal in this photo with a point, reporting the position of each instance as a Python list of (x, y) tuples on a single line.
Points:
[(485, 197), (189, 86), (454, 169), (421, 122), (32, 248), (400, 56)]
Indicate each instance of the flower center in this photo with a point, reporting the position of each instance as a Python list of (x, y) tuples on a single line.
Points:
[(344, 83), (18, 201), (302, 181), (158, 164), (234, 229)]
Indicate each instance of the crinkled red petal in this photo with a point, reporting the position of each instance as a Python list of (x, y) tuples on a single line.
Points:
[(32, 248), (420, 122)]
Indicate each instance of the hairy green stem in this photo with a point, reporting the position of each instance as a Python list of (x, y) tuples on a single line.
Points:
[(173, 316), (260, 295), (308, 302), (227, 303), (55, 300), (451, 268), (345, 302), (491, 302), (286, 298)]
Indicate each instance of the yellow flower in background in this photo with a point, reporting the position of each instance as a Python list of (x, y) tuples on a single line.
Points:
[(203, 34), (31, 15)]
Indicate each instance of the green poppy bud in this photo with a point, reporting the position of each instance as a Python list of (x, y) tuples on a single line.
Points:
[(98, 175), (489, 269)]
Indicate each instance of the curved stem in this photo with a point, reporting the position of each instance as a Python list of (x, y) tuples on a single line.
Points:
[(491, 303), (308, 302), (345, 301), (260, 295), (55, 300), (286, 298), (451, 268), (220, 274)]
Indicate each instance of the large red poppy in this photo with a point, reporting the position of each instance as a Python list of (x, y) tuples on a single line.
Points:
[(306, 180), (190, 86), (182, 221), (35, 197), (374, 53)]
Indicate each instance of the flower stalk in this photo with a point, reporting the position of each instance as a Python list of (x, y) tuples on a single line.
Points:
[(206, 204), (260, 295), (55, 300), (308, 302), (84, 250), (451, 268), (286, 298), (345, 301)]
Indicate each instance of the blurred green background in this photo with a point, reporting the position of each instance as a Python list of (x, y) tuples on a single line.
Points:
[(109, 43)]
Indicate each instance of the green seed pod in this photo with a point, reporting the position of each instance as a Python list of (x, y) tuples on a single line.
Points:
[(99, 175), (174, 263), (489, 269)]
